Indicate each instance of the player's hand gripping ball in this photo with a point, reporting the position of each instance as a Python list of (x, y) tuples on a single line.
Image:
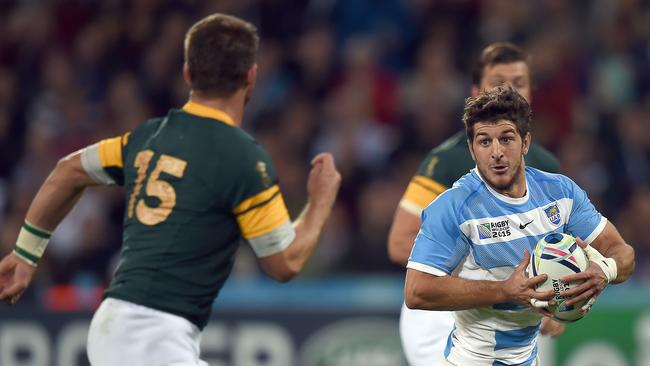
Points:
[(558, 255)]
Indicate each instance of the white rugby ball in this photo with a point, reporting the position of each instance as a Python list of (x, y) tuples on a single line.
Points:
[(558, 255)]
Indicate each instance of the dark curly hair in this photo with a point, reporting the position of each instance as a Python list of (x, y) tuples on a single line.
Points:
[(502, 103)]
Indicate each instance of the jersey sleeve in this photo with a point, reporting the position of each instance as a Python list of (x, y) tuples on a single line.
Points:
[(104, 161), (440, 244), (543, 159), (423, 187), (259, 207), (584, 220)]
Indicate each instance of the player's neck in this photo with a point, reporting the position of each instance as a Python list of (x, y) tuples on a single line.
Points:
[(232, 106), (518, 187), (517, 190)]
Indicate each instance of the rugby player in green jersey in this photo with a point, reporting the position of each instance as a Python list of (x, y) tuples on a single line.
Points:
[(424, 333), (195, 185)]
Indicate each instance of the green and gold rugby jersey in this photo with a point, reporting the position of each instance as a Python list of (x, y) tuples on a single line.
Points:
[(451, 160), (195, 185)]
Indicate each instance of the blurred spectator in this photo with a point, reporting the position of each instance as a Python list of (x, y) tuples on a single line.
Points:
[(432, 94), (314, 61)]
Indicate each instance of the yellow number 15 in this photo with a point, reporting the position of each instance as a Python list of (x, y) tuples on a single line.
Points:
[(155, 187)]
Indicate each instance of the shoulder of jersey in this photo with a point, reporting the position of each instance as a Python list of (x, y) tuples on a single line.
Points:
[(451, 145), (228, 132), (540, 149), (544, 158), (147, 127), (462, 188), (451, 153), (541, 176)]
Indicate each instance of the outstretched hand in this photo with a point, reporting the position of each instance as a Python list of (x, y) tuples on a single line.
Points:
[(15, 276), (521, 290), (594, 279)]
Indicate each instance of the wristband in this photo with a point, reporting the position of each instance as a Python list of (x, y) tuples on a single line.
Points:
[(31, 243), (607, 265)]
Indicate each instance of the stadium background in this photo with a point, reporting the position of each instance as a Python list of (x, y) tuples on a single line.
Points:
[(376, 82)]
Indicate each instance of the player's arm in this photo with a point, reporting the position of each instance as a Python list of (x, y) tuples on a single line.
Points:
[(423, 188), (283, 247), (427, 291), (406, 222), (403, 231), (58, 194), (55, 198), (439, 249), (611, 244), (322, 187), (611, 261), (611, 258)]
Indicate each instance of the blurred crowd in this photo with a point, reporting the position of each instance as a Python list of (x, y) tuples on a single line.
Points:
[(377, 83)]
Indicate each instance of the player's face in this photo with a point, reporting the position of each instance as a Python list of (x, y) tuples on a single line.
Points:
[(498, 150), (515, 74)]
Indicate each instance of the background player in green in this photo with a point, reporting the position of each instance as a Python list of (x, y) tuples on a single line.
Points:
[(195, 185), (424, 333)]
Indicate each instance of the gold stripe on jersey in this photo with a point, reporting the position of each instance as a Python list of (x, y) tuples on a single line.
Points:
[(264, 217), (420, 192), (110, 152), (208, 112), (429, 184), (125, 138), (256, 200)]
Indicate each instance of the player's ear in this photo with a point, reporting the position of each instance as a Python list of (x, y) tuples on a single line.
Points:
[(475, 90), (251, 77), (186, 74), (471, 149), (526, 142)]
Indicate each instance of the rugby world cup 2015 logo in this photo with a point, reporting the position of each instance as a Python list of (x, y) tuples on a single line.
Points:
[(553, 214), (484, 231), (493, 229)]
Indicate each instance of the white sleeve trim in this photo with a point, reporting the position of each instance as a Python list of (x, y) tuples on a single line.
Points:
[(93, 166), (411, 207), (599, 229), (426, 269), (273, 242)]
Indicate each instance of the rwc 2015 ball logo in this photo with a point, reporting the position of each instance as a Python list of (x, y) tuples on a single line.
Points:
[(489, 230), (553, 214)]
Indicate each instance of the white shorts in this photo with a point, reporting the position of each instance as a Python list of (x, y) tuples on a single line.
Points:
[(126, 334), (447, 363), (424, 335)]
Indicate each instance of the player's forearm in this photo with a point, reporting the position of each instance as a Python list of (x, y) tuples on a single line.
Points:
[(308, 226), (624, 257), (611, 244), (58, 194), (402, 235), (398, 250), (427, 292)]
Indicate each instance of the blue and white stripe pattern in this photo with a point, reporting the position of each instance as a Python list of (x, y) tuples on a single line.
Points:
[(475, 233)]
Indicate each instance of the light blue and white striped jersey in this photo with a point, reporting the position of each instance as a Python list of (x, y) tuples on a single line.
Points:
[(475, 233)]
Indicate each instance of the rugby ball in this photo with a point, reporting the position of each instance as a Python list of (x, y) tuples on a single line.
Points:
[(558, 255)]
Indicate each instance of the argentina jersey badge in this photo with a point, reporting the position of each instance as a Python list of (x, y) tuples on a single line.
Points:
[(553, 213)]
